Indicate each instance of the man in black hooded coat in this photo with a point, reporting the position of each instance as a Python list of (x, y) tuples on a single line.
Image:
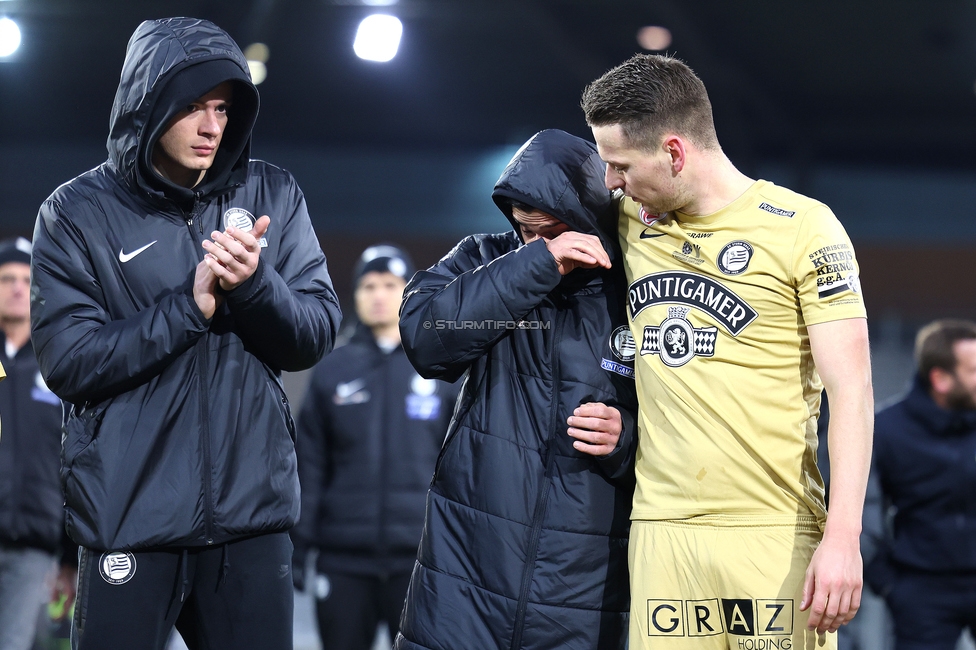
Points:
[(163, 313), (525, 539)]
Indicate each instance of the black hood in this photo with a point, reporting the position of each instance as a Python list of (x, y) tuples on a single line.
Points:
[(561, 175), (159, 51)]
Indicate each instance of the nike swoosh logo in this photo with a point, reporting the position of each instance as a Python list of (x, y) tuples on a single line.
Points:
[(347, 390), (644, 234), (125, 257)]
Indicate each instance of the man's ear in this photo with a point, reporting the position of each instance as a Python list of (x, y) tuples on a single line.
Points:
[(941, 381), (674, 146)]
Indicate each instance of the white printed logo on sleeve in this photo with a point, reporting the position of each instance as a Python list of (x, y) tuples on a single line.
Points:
[(623, 347), (117, 568), (242, 220), (423, 403)]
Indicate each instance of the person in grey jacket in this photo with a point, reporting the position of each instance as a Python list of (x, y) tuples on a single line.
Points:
[(171, 286)]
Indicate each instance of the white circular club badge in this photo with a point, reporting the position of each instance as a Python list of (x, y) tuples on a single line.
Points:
[(622, 343), (238, 218), (735, 257), (117, 568)]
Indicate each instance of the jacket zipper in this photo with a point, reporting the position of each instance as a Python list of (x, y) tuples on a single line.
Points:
[(543, 499), (194, 213), (208, 517), (205, 426)]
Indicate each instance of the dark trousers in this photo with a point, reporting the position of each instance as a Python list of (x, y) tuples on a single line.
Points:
[(238, 595), (931, 610), (353, 606)]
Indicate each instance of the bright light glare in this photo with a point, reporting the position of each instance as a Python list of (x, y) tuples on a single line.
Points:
[(259, 71), (257, 52), (9, 37), (654, 38), (378, 38)]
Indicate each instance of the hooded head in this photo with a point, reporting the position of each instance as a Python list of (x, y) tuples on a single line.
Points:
[(561, 175), (169, 63)]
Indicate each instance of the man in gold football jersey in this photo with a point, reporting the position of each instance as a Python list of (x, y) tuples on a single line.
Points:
[(744, 302)]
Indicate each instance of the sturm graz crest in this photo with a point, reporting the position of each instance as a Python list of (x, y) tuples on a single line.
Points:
[(117, 568), (677, 341), (622, 344)]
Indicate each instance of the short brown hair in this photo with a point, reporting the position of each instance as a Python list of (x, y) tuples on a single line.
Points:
[(934, 346), (648, 95)]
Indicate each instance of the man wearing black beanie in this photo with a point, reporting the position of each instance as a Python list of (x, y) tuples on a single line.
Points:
[(369, 433), (31, 516), (163, 312)]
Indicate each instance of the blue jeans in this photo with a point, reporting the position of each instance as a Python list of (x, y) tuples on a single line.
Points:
[(25, 586)]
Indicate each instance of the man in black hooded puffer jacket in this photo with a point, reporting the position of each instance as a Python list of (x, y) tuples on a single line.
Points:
[(163, 312), (525, 539)]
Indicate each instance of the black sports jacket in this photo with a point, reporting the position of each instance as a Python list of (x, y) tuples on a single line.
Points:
[(179, 432), (31, 505), (369, 432), (525, 541)]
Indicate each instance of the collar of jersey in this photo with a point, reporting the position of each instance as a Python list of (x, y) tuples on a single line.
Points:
[(732, 208)]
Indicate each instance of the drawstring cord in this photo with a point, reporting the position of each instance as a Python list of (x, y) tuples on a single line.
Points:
[(224, 566), (183, 583)]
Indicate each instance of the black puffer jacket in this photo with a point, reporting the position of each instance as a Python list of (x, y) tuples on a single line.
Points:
[(525, 541), (368, 435), (179, 433), (31, 512)]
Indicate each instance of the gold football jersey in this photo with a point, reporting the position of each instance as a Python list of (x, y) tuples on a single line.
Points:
[(729, 396)]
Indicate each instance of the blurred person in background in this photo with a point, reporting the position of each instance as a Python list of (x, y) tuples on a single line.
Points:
[(31, 504), (925, 464), (525, 539), (369, 432), (163, 312)]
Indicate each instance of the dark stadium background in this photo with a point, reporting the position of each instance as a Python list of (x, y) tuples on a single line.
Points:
[(869, 106)]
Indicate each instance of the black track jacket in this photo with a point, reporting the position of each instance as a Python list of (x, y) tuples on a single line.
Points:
[(179, 432), (369, 432), (525, 541), (31, 512)]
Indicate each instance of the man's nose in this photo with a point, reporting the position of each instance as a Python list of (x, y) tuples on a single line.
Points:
[(612, 179), (211, 124)]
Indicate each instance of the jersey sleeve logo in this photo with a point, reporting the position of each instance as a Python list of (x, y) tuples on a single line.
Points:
[(835, 268), (677, 341), (694, 290), (623, 347)]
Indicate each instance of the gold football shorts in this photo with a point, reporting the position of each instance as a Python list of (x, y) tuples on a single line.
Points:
[(722, 583)]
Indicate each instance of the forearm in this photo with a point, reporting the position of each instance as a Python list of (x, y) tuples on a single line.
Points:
[(289, 329), (841, 353), (83, 359), (849, 439), (449, 320)]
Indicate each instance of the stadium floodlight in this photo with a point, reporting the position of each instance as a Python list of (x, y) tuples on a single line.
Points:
[(9, 37), (378, 38)]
